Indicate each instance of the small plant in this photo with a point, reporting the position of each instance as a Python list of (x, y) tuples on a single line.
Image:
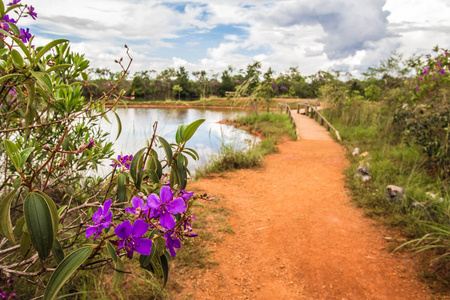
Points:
[(56, 216)]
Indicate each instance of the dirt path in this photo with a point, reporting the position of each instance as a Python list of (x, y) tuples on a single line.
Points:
[(297, 236)]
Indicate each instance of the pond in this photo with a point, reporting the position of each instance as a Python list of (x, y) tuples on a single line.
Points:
[(137, 129)]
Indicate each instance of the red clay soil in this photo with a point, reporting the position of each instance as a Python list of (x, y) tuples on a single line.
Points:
[(297, 235)]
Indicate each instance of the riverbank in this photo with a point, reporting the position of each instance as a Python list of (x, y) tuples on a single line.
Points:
[(236, 103)]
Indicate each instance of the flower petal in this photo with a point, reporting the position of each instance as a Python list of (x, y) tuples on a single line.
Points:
[(176, 243), (153, 201), (177, 206), (106, 206), (130, 210), (137, 202), (167, 221), (97, 216), (143, 246), (123, 230), (172, 251), (186, 196), (90, 231), (165, 194), (139, 228)]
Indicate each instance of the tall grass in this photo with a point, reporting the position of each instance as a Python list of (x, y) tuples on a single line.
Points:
[(272, 127), (424, 216)]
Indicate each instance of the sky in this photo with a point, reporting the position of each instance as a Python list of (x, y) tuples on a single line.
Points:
[(313, 35)]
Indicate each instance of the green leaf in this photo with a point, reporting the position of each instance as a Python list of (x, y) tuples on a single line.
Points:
[(18, 229), (118, 275), (12, 151), (152, 175), (191, 129), (17, 182), (140, 176), (198, 204), (43, 80), (24, 154), (47, 47), (137, 164), (158, 246), (193, 152), (25, 244), (165, 266), (53, 211), (182, 177), (103, 111), (39, 223), (61, 210), (167, 150), (58, 67), (5, 217), (22, 46), (179, 134), (64, 270), (118, 265), (121, 189), (58, 252), (111, 251), (17, 58), (2, 8), (14, 27), (119, 125), (6, 77), (12, 7)]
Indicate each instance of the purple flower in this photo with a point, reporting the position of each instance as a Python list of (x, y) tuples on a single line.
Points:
[(442, 71), (25, 35), (420, 79), (172, 243), (187, 225), (90, 144), (32, 13), (139, 208), (283, 87), (130, 238), (165, 207), (417, 88), (123, 161), (185, 195), (274, 86), (6, 18), (4, 26), (102, 219), (14, 2)]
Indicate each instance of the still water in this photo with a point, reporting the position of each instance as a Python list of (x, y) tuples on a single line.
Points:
[(137, 129)]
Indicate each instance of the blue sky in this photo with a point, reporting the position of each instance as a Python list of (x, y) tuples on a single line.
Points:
[(343, 35)]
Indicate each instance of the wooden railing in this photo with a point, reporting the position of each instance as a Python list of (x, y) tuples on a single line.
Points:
[(288, 111), (313, 112)]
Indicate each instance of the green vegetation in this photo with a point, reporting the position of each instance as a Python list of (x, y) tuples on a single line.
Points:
[(406, 136), (272, 127)]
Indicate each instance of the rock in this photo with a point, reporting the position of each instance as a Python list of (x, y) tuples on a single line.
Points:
[(364, 172), (356, 151), (434, 197), (364, 154), (418, 205), (395, 194)]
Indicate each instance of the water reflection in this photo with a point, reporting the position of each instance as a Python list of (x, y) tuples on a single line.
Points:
[(137, 128)]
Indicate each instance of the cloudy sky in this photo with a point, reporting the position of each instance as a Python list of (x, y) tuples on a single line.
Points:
[(343, 35)]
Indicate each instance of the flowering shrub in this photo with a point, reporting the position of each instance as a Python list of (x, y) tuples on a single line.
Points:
[(425, 120), (56, 216)]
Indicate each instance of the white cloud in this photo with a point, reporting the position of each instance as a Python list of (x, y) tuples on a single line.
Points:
[(313, 35)]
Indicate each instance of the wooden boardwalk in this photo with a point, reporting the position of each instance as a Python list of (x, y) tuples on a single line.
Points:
[(309, 129)]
